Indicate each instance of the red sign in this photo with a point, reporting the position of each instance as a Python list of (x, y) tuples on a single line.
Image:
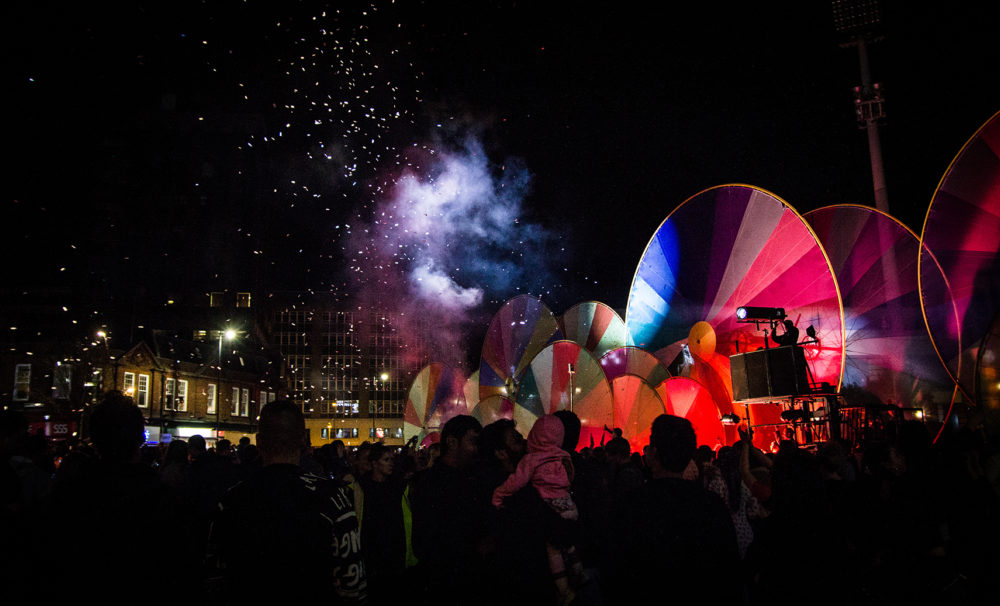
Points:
[(53, 429)]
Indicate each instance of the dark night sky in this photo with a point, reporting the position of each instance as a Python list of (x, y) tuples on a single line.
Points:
[(132, 172)]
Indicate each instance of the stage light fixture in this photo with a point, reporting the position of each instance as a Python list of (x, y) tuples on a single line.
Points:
[(760, 313), (731, 419)]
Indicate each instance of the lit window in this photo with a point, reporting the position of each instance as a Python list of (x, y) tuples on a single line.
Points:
[(210, 399), (182, 391), (22, 382), (128, 386), (142, 393), (62, 379), (245, 403), (215, 299), (168, 393), (236, 401), (242, 299)]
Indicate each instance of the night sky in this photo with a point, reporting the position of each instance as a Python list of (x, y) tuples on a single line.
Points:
[(165, 150)]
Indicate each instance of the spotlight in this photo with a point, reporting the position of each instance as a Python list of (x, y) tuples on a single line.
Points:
[(731, 419), (760, 313)]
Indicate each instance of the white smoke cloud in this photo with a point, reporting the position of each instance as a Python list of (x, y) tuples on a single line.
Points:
[(448, 238), (435, 286)]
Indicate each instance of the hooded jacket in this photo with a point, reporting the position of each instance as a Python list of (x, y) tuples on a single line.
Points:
[(546, 465)]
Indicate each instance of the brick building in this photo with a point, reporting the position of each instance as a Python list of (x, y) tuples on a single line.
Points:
[(184, 387)]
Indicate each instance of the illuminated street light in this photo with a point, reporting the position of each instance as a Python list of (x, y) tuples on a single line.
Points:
[(228, 334), (383, 378)]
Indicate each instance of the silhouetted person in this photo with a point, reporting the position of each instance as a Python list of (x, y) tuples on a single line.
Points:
[(243, 442), (803, 513), (547, 468), (224, 449), (108, 506), (500, 448), (249, 462), (25, 480), (625, 475), (24, 486), (211, 476), (382, 502), (790, 336), (247, 458), (519, 565), (449, 517), (334, 460), (360, 465), (175, 470), (674, 533), (727, 482), (590, 490), (285, 534)]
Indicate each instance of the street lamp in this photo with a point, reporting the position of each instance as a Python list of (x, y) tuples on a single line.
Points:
[(103, 336), (383, 378), (100, 374), (228, 334)]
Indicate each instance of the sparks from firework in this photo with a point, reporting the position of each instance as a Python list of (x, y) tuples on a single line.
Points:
[(346, 83), (336, 91)]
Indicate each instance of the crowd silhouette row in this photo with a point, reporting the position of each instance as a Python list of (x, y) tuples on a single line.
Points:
[(489, 516)]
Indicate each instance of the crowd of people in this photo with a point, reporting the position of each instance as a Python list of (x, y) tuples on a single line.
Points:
[(486, 516)]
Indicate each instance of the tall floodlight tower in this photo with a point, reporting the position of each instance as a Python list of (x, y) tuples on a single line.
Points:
[(858, 22)]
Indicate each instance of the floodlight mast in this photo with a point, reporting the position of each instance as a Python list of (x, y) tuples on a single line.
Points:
[(858, 22)]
